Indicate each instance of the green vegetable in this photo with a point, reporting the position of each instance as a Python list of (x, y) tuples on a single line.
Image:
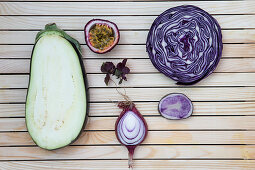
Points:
[(56, 104)]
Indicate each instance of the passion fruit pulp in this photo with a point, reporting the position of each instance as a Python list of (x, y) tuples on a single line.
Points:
[(101, 35)]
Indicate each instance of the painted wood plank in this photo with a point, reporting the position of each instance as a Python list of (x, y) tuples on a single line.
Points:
[(144, 80), (124, 51), (123, 22), (154, 137), (138, 164), (127, 37), (241, 65), (154, 123), (148, 108), (119, 8), (120, 152), (150, 94)]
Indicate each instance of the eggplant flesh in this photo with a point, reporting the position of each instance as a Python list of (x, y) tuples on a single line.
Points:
[(56, 103)]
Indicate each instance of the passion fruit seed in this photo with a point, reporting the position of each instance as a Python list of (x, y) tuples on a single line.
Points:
[(101, 36)]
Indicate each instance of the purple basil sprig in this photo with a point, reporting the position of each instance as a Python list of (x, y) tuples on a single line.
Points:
[(119, 71)]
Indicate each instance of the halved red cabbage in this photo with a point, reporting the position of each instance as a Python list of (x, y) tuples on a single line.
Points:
[(175, 106), (185, 44)]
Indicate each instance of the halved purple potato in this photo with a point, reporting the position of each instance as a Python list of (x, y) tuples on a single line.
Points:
[(101, 36), (175, 106)]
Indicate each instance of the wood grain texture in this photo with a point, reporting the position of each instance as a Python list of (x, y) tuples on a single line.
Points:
[(14, 81), (231, 65), (139, 164), (148, 108), (144, 80), (119, 8), (145, 65), (120, 152), (218, 131), (123, 22), (159, 123), (201, 108), (150, 94), (124, 51), (154, 123), (127, 37), (159, 80), (195, 94), (12, 110), (154, 137), (9, 96)]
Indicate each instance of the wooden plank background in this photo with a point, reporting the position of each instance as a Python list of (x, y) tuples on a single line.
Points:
[(219, 135)]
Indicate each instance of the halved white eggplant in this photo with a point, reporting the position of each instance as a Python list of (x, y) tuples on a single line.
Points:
[(56, 104)]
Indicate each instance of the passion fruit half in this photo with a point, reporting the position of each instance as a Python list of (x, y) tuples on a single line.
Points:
[(101, 35)]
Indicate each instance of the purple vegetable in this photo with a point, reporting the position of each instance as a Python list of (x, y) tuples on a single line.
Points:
[(130, 128), (175, 106), (185, 44)]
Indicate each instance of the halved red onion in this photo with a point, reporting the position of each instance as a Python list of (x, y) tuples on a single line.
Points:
[(175, 106), (101, 36), (130, 128)]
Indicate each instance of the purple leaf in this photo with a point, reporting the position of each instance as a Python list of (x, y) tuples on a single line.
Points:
[(124, 62), (120, 71), (103, 68), (108, 67), (125, 70), (123, 76), (107, 79), (120, 66)]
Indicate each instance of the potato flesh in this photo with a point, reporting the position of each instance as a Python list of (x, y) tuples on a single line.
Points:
[(56, 100)]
